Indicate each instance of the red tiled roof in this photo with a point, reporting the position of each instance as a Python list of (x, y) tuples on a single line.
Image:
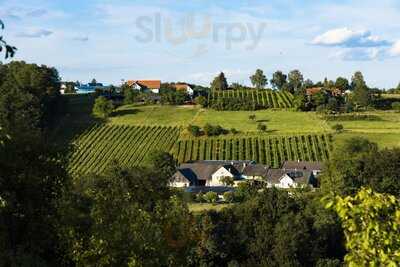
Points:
[(151, 84), (313, 91)]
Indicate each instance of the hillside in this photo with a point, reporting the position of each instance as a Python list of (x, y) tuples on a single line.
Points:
[(135, 130)]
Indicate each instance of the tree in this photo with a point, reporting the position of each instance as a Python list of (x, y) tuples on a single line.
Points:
[(33, 178), (252, 117), (295, 80), (396, 106), (342, 84), (278, 80), (219, 83), (227, 181), (210, 197), (93, 82), (262, 127), (357, 80), (130, 94), (102, 108), (194, 130), (9, 51), (126, 217), (161, 162), (338, 128), (30, 98), (361, 95), (371, 226), (229, 197), (258, 79), (201, 100)]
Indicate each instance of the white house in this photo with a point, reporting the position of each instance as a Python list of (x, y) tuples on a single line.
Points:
[(145, 85), (184, 87)]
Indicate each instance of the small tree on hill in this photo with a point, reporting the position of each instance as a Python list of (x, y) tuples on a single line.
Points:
[(338, 128), (194, 130), (252, 117), (219, 83), (102, 108), (259, 80), (262, 127)]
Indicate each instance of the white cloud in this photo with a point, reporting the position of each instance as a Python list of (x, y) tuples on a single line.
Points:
[(395, 49), (81, 38), (346, 37), (37, 33), (361, 54)]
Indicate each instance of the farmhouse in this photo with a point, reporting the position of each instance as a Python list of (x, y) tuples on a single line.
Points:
[(314, 90), (145, 85), (212, 173), (185, 88)]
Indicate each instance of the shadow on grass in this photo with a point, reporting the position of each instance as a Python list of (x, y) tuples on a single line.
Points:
[(125, 112), (263, 120)]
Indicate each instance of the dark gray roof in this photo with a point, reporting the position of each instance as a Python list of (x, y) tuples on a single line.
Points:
[(256, 170), (203, 169), (303, 165), (299, 176)]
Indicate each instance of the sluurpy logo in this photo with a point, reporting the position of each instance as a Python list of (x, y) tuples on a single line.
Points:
[(201, 31)]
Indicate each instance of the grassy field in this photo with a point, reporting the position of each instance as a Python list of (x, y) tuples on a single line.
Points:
[(277, 121)]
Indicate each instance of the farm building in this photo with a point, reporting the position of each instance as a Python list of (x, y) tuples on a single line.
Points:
[(145, 85)]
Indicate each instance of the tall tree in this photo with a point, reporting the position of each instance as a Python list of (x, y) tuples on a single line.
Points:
[(295, 80), (219, 83), (361, 94), (259, 80), (279, 80), (342, 84)]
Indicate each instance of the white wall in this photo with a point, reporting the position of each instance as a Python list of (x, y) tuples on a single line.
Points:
[(179, 184), (215, 178), (286, 182)]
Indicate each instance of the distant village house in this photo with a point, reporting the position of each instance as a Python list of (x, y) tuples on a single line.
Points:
[(145, 85)]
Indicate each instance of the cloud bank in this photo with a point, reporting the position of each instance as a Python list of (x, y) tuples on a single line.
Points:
[(39, 33)]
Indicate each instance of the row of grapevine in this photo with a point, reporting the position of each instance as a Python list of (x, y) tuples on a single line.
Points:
[(128, 145), (271, 150), (264, 98)]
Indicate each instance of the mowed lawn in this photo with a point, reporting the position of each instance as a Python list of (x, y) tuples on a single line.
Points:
[(385, 122), (277, 121), (154, 115)]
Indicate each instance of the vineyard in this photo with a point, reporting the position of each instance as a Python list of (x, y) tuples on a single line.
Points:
[(128, 145), (263, 98), (271, 150)]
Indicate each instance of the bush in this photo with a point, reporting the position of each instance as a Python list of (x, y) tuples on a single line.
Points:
[(200, 197), (210, 197), (211, 130), (234, 131), (252, 117), (102, 108), (338, 128), (261, 127), (229, 197), (396, 106), (228, 181), (201, 100), (194, 130)]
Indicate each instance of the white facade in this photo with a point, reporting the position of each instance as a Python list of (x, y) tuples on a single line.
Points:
[(216, 177), (286, 182), (156, 91)]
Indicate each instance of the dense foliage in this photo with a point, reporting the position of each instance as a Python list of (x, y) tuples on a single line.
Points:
[(371, 226)]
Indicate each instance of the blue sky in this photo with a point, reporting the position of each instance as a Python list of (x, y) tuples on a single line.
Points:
[(193, 40)]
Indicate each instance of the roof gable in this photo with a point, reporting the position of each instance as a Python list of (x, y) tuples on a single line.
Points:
[(151, 84)]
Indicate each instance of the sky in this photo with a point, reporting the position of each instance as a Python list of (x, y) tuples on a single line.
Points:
[(194, 40)]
